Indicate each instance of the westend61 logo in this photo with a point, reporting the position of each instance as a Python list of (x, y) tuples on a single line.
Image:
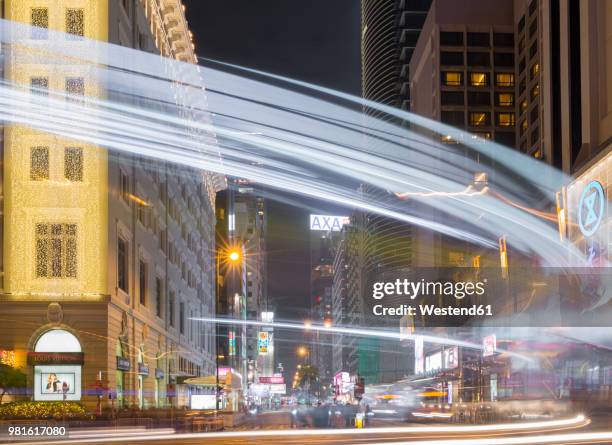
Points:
[(413, 289)]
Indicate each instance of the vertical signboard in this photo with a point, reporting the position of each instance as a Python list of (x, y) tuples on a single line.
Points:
[(419, 361)]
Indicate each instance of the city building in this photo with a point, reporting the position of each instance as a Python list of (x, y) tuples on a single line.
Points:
[(389, 33), (106, 256), (462, 70), (321, 282), (346, 308), (390, 30)]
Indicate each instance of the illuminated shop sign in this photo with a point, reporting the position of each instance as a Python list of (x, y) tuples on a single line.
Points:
[(419, 359), (451, 357), (279, 388), (231, 342), (59, 358), (433, 362), (591, 208), (328, 223), (263, 342), (274, 380)]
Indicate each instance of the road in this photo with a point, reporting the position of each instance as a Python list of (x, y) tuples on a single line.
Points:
[(574, 430)]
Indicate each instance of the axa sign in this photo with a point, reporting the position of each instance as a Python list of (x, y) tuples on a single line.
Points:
[(591, 208), (328, 223)]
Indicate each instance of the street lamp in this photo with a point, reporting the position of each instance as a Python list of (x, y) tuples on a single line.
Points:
[(234, 255), (302, 351)]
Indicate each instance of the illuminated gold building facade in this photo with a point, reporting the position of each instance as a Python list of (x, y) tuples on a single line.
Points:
[(105, 256)]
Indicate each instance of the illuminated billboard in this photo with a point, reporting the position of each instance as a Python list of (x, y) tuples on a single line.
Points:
[(327, 223), (263, 341)]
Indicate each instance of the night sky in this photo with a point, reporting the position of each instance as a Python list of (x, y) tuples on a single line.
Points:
[(315, 41)]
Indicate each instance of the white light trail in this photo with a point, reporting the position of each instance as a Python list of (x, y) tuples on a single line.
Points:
[(286, 140), (354, 331), (508, 428)]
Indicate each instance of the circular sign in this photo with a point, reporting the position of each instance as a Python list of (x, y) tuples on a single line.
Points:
[(591, 208)]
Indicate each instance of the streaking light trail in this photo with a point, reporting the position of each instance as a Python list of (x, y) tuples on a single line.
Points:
[(540, 427), (290, 141), (352, 331)]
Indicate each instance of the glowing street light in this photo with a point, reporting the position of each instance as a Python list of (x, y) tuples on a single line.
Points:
[(234, 255), (302, 351)]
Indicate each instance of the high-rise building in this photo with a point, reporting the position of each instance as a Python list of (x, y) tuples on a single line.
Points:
[(106, 256), (463, 68), (389, 33), (321, 281)]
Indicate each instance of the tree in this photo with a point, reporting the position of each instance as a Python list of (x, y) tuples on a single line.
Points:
[(308, 375), (10, 379)]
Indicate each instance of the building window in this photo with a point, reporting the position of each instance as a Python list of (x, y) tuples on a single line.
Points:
[(479, 119), (56, 250), (126, 6), (524, 105), (452, 78), (124, 186), (142, 282), (75, 23), (75, 86), (73, 164), (535, 133), (535, 70), (171, 308), (451, 38), (451, 58), (39, 163), (504, 79), (533, 6), (479, 98), (522, 86), (505, 119), (182, 317), (535, 91), (524, 126), (122, 264), (533, 27), (504, 99), (159, 290), (537, 153), (451, 97), (533, 114), (39, 85), (506, 138), (455, 118), (40, 23), (521, 24), (505, 60), (478, 39), (503, 39), (479, 79), (478, 59), (533, 49)]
